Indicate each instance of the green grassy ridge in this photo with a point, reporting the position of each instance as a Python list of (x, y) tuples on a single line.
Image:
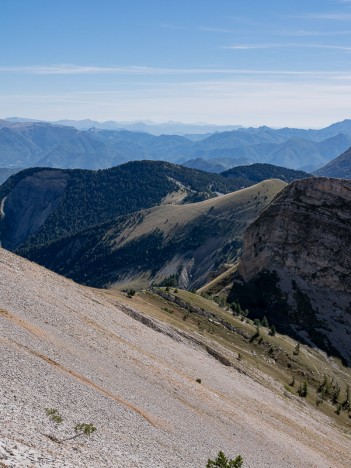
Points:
[(94, 197), (145, 242)]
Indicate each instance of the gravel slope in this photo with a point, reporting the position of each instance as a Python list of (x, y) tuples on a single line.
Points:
[(68, 347)]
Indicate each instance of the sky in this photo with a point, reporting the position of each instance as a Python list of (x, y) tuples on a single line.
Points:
[(240, 62)]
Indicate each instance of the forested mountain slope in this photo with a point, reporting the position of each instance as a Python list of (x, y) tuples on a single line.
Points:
[(185, 242), (41, 205)]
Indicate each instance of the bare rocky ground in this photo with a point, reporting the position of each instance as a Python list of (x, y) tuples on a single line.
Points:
[(68, 347)]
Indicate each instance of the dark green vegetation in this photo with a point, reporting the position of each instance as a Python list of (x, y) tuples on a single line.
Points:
[(223, 462), (88, 258), (257, 172), (28, 144), (263, 298), (339, 167), (88, 198), (186, 241)]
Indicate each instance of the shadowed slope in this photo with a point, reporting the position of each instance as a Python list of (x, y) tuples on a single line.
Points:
[(303, 241), (183, 241)]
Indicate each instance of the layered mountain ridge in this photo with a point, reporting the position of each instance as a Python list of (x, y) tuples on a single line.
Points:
[(28, 144)]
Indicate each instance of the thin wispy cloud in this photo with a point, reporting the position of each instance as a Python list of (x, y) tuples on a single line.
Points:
[(287, 45), (328, 16), (333, 47), (310, 33), (67, 69), (251, 46), (144, 70)]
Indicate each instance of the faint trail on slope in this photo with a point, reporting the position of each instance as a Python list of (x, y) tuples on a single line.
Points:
[(156, 422), (144, 414)]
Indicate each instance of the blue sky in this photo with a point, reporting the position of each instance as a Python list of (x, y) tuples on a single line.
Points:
[(249, 62)]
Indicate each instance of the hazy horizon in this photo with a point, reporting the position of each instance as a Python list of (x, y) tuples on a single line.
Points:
[(156, 123), (249, 63)]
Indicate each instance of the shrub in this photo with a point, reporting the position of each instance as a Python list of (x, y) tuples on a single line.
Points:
[(54, 415), (81, 429), (297, 350), (131, 293), (236, 308), (346, 404), (256, 335), (84, 429), (303, 389), (223, 462), (265, 322)]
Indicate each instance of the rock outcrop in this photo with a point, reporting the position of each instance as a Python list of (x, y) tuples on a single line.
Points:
[(304, 237), (25, 209)]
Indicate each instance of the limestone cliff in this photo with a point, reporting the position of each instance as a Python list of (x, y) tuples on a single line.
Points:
[(25, 209), (304, 237)]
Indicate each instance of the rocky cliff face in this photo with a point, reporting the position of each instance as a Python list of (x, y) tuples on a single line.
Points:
[(28, 205), (304, 236)]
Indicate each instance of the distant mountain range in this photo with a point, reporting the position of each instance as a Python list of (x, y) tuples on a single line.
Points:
[(215, 165), (28, 144), (167, 128), (339, 167)]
